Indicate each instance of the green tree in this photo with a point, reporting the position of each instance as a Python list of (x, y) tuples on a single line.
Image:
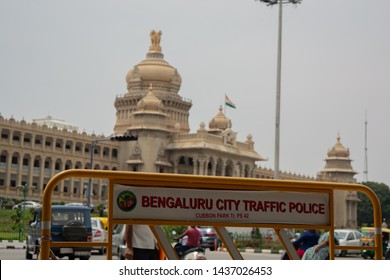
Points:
[(365, 210), (173, 231)]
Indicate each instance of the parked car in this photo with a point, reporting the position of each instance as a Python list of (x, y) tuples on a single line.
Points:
[(99, 234), (91, 207), (347, 237), (68, 223), (209, 238), (27, 205), (119, 241)]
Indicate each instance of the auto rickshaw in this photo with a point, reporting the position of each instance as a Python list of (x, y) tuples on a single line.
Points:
[(368, 240)]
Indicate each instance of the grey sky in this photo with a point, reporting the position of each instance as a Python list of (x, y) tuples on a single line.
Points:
[(69, 59)]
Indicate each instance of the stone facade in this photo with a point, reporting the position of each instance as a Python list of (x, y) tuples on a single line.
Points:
[(152, 109), (30, 154)]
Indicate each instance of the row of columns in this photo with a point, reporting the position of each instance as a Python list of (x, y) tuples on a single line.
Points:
[(201, 163)]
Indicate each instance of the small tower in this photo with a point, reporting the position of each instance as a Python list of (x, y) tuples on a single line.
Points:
[(338, 168)]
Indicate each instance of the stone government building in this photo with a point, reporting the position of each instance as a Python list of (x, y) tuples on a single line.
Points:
[(153, 109)]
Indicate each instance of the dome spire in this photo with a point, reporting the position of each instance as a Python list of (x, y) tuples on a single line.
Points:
[(220, 121), (150, 102), (155, 38), (338, 150)]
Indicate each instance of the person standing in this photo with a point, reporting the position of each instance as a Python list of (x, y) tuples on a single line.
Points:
[(140, 243)]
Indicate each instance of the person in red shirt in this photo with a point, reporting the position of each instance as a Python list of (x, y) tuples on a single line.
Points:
[(193, 240)]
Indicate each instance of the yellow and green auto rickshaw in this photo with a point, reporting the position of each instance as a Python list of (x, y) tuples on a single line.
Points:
[(368, 240)]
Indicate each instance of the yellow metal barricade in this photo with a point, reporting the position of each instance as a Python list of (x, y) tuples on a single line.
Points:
[(228, 194)]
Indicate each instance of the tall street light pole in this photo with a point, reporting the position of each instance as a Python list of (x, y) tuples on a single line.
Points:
[(24, 190), (93, 145), (278, 79)]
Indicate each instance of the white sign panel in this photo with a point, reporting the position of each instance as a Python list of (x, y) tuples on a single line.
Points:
[(204, 205)]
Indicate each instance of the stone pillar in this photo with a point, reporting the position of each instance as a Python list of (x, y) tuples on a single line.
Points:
[(201, 166), (223, 171), (8, 175), (30, 173), (195, 161), (20, 170), (41, 175), (175, 167), (214, 168)]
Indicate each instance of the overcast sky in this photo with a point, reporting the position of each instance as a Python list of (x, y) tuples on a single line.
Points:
[(69, 59)]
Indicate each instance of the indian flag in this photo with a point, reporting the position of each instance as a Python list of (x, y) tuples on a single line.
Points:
[(229, 103)]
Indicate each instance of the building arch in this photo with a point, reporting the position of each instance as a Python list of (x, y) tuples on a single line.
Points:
[(15, 159), (68, 165), (58, 165), (229, 168), (37, 162), (220, 167), (78, 165), (26, 162), (27, 138), (4, 157)]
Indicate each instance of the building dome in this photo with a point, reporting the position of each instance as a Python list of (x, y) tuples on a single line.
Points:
[(220, 122), (338, 150), (150, 102), (154, 69)]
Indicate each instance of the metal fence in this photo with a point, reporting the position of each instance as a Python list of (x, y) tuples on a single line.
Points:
[(12, 235)]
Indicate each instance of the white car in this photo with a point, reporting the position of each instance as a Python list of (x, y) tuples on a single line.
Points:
[(347, 237), (119, 241), (27, 205), (99, 234)]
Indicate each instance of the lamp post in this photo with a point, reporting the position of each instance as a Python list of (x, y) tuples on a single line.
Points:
[(278, 79), (24, 190), (121, 138)]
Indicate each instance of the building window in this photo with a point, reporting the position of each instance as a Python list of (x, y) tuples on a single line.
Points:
[(114, 153), (14, 160), (57, 166)]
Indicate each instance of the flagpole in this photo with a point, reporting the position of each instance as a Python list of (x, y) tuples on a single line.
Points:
[(224, 108)]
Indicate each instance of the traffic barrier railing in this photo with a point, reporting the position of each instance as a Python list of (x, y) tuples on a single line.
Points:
[(171, 199)]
